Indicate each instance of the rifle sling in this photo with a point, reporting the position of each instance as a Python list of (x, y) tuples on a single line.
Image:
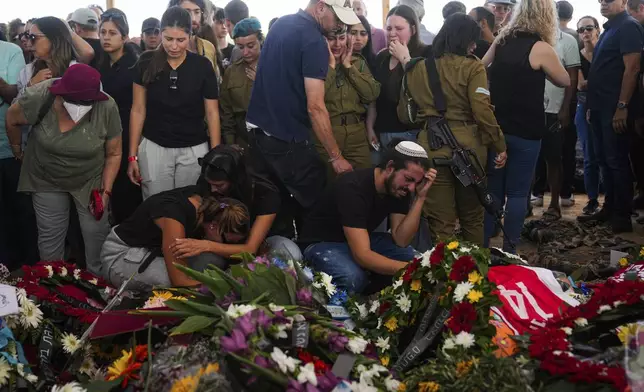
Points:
[(435, 84)]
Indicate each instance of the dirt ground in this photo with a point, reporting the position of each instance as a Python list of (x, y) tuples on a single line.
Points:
[(573, 246)]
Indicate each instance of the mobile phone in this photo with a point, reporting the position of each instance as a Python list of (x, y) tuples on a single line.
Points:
[(376, 146), (555, 127)]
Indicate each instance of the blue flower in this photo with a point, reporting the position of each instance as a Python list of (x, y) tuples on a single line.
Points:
[(279, 263), (339, 298), (308, 273)]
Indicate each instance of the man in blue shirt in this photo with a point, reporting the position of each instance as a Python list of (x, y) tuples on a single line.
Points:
[(287, 102), (18, 235), (611, 83)]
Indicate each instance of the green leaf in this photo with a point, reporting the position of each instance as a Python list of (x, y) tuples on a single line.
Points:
[(194, 307), (245, 257), (193, 324), (213, 269), (219, 287), (103, 386), (275, 377), (162, 313), (291, 285)]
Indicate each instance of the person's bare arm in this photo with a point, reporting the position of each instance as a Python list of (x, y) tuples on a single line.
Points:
[(489, 55), (113, 153), (322, 124), (7, 91), (172, 230), (137, 119), (85, 51), (544, 57), (405, 227), (569, 93), (582, 83), (15, 118), (214, 123), (187, 247), (629, 80), (360, 246)]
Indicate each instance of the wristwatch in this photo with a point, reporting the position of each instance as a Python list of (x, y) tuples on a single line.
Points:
[(622, 105)]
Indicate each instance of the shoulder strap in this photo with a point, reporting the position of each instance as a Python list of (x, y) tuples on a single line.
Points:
[(435, 83), (44, 109)]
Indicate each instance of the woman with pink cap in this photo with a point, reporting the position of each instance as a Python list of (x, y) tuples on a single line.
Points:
[(73, 154)]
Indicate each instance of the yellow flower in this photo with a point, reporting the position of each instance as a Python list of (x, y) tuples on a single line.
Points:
[(452, 245), (190, 383), (623, 262), (642, 252), (429, 386), (384, 360), (392, 324), (462, 368), (625, 331), (119, 366), (474, 296), (402, 387), (475, 278), (416, 285)]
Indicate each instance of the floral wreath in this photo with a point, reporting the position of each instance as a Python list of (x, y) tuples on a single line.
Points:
[(465, 298), (65, 288)]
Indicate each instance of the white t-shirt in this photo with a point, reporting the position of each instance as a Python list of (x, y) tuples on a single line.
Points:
[(567, 49)]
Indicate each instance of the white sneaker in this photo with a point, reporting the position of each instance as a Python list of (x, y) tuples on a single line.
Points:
[(567, 202), (536, 201)]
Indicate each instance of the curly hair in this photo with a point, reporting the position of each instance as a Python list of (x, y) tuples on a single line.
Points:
[(532, 16)]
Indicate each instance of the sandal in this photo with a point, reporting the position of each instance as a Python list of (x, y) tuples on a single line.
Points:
[(551, 215)]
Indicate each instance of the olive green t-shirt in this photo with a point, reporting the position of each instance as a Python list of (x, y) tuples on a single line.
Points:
[(72, 161)]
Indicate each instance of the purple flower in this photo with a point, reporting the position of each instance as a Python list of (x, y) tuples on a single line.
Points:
[(262, 318), (304, 296), (337, 342), (328, 381), (251, 266), (292, 272), (242, 281), (262, 362), (294, 386), (228, 299), (203, 289), (235, 343), (246, 325)]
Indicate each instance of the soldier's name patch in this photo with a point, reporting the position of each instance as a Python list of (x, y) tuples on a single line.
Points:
[(481, 90)]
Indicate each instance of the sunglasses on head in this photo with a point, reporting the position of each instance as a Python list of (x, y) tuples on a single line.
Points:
[(113, 15), (605, 1), (585, 28), (174, 78)]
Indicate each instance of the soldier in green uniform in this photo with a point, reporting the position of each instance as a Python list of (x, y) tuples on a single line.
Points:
[(470, 116), (238, 82), (349, 89)]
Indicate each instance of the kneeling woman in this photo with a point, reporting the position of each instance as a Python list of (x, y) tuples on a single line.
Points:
[(157, 223)]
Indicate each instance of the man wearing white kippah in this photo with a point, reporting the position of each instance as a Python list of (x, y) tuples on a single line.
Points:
[(339, 235)]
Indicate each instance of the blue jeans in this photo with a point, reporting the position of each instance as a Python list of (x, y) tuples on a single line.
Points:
[(386, 137), (612, 152), (335, 259), (591, 169), (512, 182)]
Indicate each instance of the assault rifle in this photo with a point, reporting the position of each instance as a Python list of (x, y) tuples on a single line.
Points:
[(464, 163)]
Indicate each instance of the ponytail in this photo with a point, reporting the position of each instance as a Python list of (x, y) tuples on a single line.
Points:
[(230, 215)]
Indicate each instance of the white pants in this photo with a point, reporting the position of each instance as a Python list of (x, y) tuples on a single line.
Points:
[(164, 169)]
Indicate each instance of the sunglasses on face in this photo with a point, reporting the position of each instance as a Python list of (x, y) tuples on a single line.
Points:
[(585, 28), (32, 37), (174, 78), (605, 1)]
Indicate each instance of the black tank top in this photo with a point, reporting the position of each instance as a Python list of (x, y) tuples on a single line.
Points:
[(516, 89)]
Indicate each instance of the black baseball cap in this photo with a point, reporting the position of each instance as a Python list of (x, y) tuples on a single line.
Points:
[(151, 24)]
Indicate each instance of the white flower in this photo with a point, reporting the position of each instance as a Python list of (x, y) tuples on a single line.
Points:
[(392, 384), (50, 270), (557, 352), (307, 374), (425, 260), (464, 249), (403, 302), (275, 308), (430, 277), (71, 387), (88, 366), (94, 282), (375, 368), (63, 271), (31, 378), (567, 330), (375, 305), (461, 291), (357, 345), (618, 303), (280, 331), (362, 311), (30, 315), (235, 311), (21, 369), (397, 284), (383, 344), (282, 360), (22, 295), (379, 323), (77, 274), (464, 339), (70, 343), (582, 322), (448, 344), (324, 280), (363, 331), (5, 371), (604, 308)]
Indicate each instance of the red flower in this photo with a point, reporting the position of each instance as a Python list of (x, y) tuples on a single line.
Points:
[(384, 307), (409, 271), (547, 342), (304, 356), (438, 254), (461, 268), (462, 318), (321, 367)]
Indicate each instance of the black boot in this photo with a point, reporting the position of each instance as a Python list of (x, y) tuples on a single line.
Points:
[(601, 216), (621, 225)]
